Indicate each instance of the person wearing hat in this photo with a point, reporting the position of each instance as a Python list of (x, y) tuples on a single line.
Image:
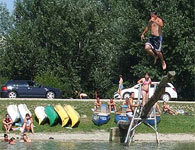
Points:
[(154, 43)]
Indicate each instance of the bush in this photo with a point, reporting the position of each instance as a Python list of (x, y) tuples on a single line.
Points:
[(53, 80)]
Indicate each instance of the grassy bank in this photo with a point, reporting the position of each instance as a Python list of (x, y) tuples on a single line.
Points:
[(169, 124)]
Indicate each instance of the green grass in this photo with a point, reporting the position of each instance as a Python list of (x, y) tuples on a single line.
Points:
[(168, 124)]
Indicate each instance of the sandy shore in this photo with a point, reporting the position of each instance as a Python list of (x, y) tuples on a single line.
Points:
[(104, 136)]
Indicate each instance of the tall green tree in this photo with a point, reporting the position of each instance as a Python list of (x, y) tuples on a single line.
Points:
[(87, 44)]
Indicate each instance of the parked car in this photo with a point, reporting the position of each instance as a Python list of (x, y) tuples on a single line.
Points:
[(170, 92), (27, 88)]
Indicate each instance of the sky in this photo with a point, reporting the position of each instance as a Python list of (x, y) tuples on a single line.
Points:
[(9, 4)]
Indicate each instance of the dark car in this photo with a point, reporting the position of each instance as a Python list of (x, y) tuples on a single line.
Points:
[(27, 88)]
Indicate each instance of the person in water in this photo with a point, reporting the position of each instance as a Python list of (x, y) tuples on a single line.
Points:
[(12, 141), (25, 138), (130, 106), (7, 123), (111, 105), (28, 124), (120, 86), (97, 104), (146, 81), (5, 138), (154, 44)]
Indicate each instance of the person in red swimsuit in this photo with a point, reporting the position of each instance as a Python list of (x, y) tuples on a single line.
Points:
[(146, 81)]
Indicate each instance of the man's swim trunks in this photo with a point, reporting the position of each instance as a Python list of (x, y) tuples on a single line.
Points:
[(155, 42)]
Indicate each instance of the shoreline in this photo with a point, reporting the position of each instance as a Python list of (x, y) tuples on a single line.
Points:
[(104, 136)]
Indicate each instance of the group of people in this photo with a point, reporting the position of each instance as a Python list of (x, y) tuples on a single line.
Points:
[(27, 126), (111, 105), (146, 81), (12, 140)]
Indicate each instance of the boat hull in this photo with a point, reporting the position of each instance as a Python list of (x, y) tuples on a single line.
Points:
[(62, 114), (73, 114), (120, 117), (13, 112), (23, 110), (52, 115), (152, 122), (40, 114), (100, 118)]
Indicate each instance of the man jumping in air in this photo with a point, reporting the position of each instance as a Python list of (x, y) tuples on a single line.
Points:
[(153, 45)]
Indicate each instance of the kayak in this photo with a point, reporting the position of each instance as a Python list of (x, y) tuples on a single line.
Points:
[(120, 117), (23, 110), (62, 113), (101, 115), (73, 114), (52, 115), (13, 112), (40, 114), (152, 122), (100, 118)]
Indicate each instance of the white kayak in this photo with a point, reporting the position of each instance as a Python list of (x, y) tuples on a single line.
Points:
[(40, 114), (13, 112), (23, 110)]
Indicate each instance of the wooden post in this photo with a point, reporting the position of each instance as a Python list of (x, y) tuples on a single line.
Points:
[(157, 94)]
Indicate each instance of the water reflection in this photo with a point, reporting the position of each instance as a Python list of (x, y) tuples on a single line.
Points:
[(91, 145)]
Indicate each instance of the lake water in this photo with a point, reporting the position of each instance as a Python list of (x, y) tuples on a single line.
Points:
[(56, 145)]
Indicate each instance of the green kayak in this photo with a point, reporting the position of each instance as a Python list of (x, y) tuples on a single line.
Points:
[(52, 115)]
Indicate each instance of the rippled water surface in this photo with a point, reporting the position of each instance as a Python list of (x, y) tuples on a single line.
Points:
[(91, 145)]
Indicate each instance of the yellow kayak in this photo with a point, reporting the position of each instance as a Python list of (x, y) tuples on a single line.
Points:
[(62, 113), (73, 114)]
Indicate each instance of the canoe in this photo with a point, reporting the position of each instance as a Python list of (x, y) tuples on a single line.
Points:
[(152, 122), (23, 110), (120, 117), (62, 113), (73, 114), (40, 114), (100, 118), (13, 112), (52, 115)]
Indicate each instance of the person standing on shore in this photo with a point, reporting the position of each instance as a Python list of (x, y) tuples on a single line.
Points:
[(146, 81), (120, 86), (154, 43)]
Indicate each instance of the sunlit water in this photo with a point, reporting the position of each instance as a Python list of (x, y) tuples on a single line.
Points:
[(56, 145)]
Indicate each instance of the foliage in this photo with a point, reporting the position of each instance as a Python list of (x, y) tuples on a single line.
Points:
[(89, 43), (52, 80)]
